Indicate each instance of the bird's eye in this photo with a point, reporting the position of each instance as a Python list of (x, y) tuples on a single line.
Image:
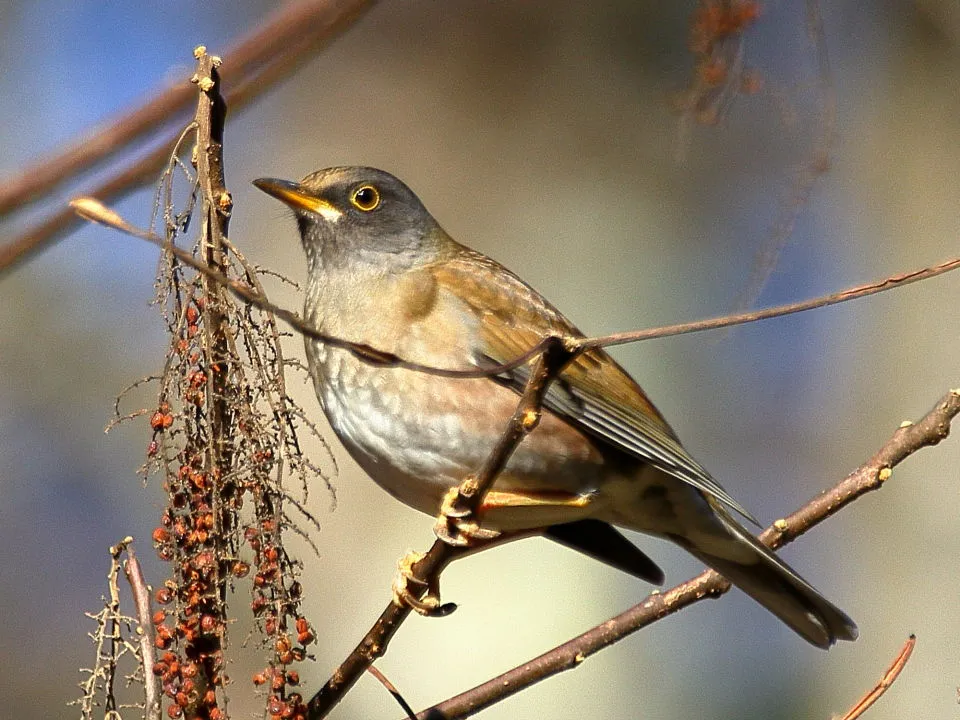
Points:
[(366, 198)]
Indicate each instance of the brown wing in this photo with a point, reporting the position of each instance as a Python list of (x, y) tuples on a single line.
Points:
[(593, 392)]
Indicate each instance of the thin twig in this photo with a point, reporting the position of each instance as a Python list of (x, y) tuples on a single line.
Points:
[(908, 439), (889, 677), (859, 291), (392, 689), (152, 709), (95, 211), (115, 637)]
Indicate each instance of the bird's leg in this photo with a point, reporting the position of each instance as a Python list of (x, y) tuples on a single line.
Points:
[(408, 581), (457, 523), (427, 604)]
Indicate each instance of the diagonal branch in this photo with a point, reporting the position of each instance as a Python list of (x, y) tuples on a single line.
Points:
[(426, 571), (908, 439), (281, 32), (266, 56), (886, 682)]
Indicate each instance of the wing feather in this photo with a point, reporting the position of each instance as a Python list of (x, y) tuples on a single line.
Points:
[(593, 392)]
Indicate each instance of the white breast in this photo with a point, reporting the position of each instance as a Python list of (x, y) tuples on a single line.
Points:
[(414, 454)]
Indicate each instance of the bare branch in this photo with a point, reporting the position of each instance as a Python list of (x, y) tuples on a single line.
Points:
[(281, 33), (859, 291), (908, 439), (392, 689), (141, 601), (889, 677), (92, 210), (426, 571)]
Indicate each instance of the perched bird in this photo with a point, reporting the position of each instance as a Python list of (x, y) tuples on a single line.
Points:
[(383, 273)]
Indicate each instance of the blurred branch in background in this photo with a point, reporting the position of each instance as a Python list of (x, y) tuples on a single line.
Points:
[(722, 73), (285, 41), (814, 165)]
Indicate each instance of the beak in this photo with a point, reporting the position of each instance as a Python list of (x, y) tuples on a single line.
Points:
[(298, 197)]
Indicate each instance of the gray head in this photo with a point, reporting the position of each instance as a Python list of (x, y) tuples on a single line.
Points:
[(356, 215)]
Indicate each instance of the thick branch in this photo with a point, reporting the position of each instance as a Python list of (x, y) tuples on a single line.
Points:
[(908, 439)]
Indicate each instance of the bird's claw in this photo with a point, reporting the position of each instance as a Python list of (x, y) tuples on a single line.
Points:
[(460, 533), (428, 604), (456, 525)]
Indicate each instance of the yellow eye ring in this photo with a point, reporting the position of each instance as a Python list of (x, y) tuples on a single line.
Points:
[(365, 198)]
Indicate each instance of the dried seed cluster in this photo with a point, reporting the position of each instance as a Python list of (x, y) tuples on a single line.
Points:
[(224, 434)]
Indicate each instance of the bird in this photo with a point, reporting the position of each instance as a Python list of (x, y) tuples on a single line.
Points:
[(382, 273)]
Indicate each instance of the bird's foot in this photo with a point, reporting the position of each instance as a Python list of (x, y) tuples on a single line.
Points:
[(424, 603), (457, 525)]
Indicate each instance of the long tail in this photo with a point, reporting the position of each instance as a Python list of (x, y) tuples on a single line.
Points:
[(747, 563)]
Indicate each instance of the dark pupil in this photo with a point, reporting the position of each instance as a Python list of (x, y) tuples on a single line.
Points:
[(365, 196)]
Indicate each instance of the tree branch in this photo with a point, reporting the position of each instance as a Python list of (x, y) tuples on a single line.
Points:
[(282, 32), (257, 62), (890, 283), (426, 571), (908, 439), (889, 677), (93, 210), (141, 601)]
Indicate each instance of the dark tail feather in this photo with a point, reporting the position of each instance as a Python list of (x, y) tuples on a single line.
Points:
[(752, 567), (604, 542)]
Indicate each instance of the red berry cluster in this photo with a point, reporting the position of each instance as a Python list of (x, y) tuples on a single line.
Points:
[(201, 531), (716, 20), (275, 603), (716, 31)]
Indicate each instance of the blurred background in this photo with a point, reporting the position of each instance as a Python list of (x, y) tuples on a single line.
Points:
[(545, 134)]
